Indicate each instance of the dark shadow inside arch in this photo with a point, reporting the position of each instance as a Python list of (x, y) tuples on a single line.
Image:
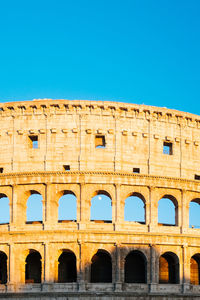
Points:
[(136, 264), (67, 209), (5, 209), (134, 208), (168, 211), (168, 268), (101, 207), (3, 268), (194, 212), (67, 267), (135, 267), (195, 269), (101, 267), (33, 267), (34, 211)]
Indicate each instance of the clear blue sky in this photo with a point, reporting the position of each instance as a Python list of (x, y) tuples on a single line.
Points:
[(140, 51)]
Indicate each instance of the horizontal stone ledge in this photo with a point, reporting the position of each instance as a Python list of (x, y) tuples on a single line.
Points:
[(105, 173), (118, 288)]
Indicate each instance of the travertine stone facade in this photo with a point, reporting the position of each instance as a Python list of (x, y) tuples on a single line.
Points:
[(134, 136)]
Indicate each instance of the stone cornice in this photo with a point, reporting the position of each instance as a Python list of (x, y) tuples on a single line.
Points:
[(46, 174), (85, 107)]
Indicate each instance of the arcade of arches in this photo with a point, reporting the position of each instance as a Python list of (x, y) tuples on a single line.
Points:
[(134, 206), (102, 267), (99, 234)]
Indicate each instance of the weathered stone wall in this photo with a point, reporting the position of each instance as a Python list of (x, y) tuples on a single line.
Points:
[(134, 137)]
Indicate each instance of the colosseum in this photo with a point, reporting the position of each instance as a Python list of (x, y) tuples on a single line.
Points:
[(124, 158)]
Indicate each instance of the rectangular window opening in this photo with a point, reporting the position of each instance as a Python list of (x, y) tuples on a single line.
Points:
[(167, 148), (197, 177), (34, 141), (66, 167), (1, 170), (100, 141), (136, 170)]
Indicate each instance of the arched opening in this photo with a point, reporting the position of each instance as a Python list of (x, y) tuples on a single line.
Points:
[(67, 267), (135, 267), (34, 212), (195, 269), (101, 267), (101, 207), (134, 208), (67, 210), (33, 267), (168, 211), (194, 212), (3, 268), (5, 209), (169, 268)]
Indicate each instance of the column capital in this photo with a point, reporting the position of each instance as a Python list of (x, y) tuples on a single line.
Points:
[(117, 185), (152, 245), (80, 242), (14, 185), (117, 245), (183, 191), (152, 188)]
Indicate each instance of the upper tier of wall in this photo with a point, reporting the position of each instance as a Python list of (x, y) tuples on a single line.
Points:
[(66, 131)]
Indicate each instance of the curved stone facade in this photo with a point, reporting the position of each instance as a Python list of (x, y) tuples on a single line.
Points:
[(87, 148)]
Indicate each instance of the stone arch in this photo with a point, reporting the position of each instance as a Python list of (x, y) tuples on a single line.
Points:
[(101, 267), (67, 271), (3, 268), (194, 210), (168, 203), (101, 204), (5, 209), (135, 268), (25, 191), (33, 267), (169, 268), (195, 269), (34, 210), (67, 208), (135, 208), (92, 190)]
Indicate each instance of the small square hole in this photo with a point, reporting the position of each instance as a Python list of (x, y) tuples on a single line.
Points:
[(197, 177), (136, 170), (100, 141), (167, 148), (34, 141), (66, 167), (1, 170)]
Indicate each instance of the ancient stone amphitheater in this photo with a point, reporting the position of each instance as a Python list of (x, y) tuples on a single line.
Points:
[(111, 151)]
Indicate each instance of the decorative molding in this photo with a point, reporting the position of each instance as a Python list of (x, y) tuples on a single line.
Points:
[(45, 106), (101, 173)]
